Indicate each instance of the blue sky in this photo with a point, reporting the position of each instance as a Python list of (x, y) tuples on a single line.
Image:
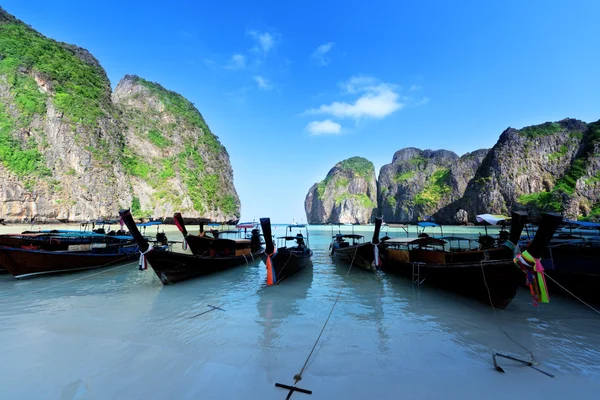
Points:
[(291, 88)]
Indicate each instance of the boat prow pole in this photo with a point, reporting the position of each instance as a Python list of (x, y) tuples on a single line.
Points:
[(375, 239), (265, 224), (133, 229), (548, 226), (518, 221), (178, 219)]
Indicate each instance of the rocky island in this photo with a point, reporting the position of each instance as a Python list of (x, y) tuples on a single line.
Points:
[(554, 166), (71, 149), (348, 194)]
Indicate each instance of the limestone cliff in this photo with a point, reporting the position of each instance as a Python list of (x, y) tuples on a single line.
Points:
[(67, 152), (553, 166), (59, 139), (348, 194), (173, 160), (418, 182)]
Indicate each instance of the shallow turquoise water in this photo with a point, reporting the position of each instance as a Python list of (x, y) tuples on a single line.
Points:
[(118, 333)]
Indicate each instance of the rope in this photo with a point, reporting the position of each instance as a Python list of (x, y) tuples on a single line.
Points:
[(284, 265), (566, 290), (83, 277), (298, 376), (562, 287), (532, 360)]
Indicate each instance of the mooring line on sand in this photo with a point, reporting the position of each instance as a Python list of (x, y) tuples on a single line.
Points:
[(532, 361), (81, 277), (293, 388), (568, 291)]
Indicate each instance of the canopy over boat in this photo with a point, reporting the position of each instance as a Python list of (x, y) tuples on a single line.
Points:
[(449, 238), (424, 224), (403, 226), (492, 219), (349, 236), (584, 224), (416, 240), (150, 223), (246, 225), (291, 237)]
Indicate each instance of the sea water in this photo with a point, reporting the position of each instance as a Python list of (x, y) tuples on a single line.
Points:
[(117, 333)]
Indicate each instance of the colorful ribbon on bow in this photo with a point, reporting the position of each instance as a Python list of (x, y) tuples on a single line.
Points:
[(533, 269), (270, 271)]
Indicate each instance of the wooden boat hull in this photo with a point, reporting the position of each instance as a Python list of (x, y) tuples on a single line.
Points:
[(361, 255), (577, 269), (287, 262), (198, 244), (22, 263), (172, 267), (469, 277)]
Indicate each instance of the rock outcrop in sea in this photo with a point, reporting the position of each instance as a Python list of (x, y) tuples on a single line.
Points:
[(348, 194), (554, 166), (69, 153)]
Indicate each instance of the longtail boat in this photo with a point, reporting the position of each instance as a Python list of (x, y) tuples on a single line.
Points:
[(283, 261), (172, 267), (59, 240), (573, 262), (201, 244), (364, 255), (23, 263), (487, 274)]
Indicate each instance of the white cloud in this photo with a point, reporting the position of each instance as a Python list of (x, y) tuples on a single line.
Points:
[(415, 88), (357, 83), (327, 127), (263, 83), (264, 41), (378, 100), (319, 55), (237, 62)]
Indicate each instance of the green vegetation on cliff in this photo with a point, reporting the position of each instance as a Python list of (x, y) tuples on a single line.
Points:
[(403, 177), (437, 187), (559, 154), (23, 159), (545, 129), (182, 108), (360, 198), (79, 88), (360, 166), (543, 201)]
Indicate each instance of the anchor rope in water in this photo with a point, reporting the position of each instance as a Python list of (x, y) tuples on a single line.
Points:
[(533, 360), (284, 265), (566, 290), (298, 376), (84, 277)]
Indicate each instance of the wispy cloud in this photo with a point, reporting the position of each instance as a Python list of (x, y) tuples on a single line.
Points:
[(237, 62), (319, 56), (377, 100), (357, 83), (265, 41), (414, 88), (263, 83), (326, 127)]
